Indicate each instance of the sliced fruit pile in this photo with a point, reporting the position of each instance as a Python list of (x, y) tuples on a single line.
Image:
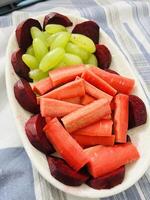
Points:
[(81, 111)]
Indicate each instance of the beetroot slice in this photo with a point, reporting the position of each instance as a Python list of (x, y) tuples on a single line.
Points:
[(25, 96), (34, 130), (103, 56), (20, 68), (137, 112), (23, 34), (56, 18), (108, 181), (89, 29), (112, 71), (64, 173)]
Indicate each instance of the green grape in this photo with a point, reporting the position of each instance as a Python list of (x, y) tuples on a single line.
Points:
[(51, 59), (30, 50), (39, 48), (83, 42), (74, 49), (61, 40), (30, 61), (54, 28), (61, 64), (52, 37), (35, 32), (46, 34), (37, 74), (92, 60), (70, 59)]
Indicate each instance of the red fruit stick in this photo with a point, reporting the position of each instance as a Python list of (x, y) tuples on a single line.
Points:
[(98, 82), (121, 117), (106, 159), (101, 128), (86, 99), (55, 108), (69, 90), (120, 83), (86, 115), (65, 145), (94, 91), (75, 100), (66, 74), (88, 141), (48, 119), (42, 86)]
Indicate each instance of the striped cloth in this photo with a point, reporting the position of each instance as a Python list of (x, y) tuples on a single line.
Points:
[(127, 22)]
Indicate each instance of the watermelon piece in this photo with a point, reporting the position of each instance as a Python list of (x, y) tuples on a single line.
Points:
[(86, 99), (86, 115), (103, 56), (104, 159), (65, 145), (109, 180), (94, 91), (68, 90), (88, 141), (98, 82), (101, 128), (120, 83), (108, 116), (55, 108), (137, 112), (75, 100), (42, 86), (34, 131), (89, 29), (121, 117), (48, 119), (65, 74), (64, 173)]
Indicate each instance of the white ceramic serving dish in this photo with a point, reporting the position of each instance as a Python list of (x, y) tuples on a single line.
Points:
[(140, 136)]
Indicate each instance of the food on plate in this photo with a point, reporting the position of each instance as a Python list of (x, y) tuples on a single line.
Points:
[(56, 18), (25, 96), (109, 180), (23, 34), (103, 56), (82, 109), (64, 173), (34, 130), (20, 68), (89, 29), (137, 111)]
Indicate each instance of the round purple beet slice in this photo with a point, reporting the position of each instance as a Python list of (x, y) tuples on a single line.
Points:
[(137, 112), (112, 71), (25, 96), (56, 18), (109, 180), (34, 130), (23, 34), (20, 68), (89, 29), (64, 173), (103, 56)]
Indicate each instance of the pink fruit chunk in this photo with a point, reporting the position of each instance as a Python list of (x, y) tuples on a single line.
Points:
[(56, 18), (25, 96), (20, 68), (34, 130), (64, 173), (89, 29), (23, 34), (137, 112), (103, 56), (109, 180)]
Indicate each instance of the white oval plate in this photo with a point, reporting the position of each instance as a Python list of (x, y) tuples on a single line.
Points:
[(140, 136)]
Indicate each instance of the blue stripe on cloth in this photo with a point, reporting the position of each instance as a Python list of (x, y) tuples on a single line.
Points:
[(16, 178)]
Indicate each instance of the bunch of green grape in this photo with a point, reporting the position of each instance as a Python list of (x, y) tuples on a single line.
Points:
[(56, 47)]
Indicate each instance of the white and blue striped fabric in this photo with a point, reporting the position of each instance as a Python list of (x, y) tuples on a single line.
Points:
[(127, 22)]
